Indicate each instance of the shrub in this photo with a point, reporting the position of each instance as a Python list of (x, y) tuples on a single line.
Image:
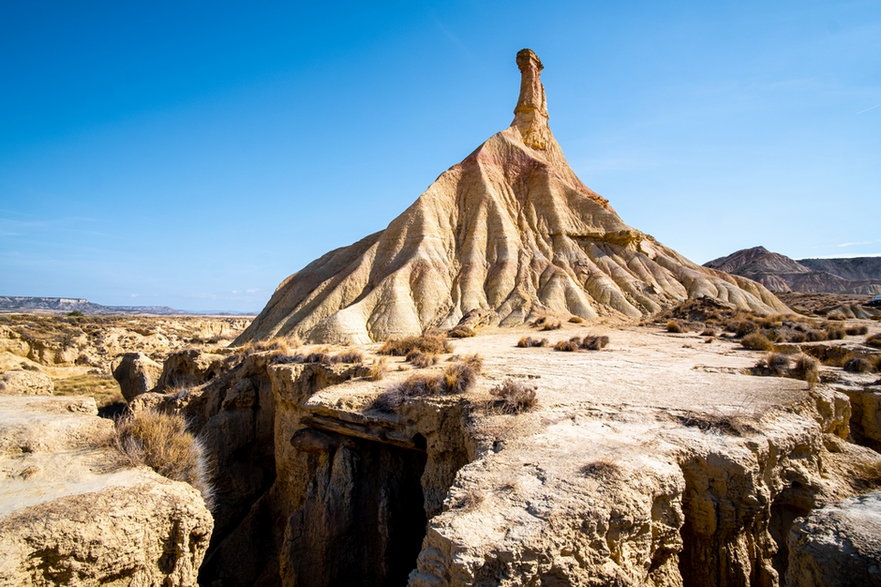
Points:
[(161, 441), (874, 341), (777, 363), (835, 332), (815, 335), (550, 325), (461, 331), (515, 397), (674, 326), (741, 328), (756, 341), (568, 346), (427, 343), (594, 343), (455, 379), (797, 337), (528, 341), (377, 369), (806, 368), (708, 332), (348, 357), (856, 330), (576, 320), (858, 365), (421, 360)]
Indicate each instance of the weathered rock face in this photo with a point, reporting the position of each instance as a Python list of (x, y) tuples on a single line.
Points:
[(25, 383), (72, 513), (510, 231), (839, 544), (136, 373)]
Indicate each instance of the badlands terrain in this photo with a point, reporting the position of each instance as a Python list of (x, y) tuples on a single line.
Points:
[(506, 386)]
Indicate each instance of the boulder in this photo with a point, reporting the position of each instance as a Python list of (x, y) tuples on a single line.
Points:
[(136, 373), (25, 383), (839, 544)]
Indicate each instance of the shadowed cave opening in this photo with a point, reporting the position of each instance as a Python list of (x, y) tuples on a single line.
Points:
[(363, 518)]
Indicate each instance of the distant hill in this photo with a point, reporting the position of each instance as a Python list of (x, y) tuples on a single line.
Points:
[(779, 273), (59, 305)]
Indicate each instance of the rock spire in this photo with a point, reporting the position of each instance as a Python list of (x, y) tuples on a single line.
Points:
[(531, 113)]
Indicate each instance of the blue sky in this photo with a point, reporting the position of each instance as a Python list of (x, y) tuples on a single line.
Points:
[(194, 154)]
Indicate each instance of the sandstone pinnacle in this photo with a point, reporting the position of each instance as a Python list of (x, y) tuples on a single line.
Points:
[(510, 233)]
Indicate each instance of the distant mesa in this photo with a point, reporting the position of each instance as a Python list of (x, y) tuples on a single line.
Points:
[(511, 233), (48, 305), (780, 274)]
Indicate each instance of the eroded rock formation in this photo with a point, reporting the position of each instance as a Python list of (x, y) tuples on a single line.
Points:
[(73, 513), (510, 231)]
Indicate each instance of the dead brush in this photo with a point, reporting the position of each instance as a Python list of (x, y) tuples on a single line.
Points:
[(377, 370), (756, 341), (461, 331), (547, 325), (576, 320), (673, 326), (514, 397), (835, 332), (874, 341), (354, 357), (806, 368), (427, 343), (856, 330), (594, 343), (568, 346), (600, 469), (455, 379), (858, 365), (162, 442), (421, 360), (528, 341)]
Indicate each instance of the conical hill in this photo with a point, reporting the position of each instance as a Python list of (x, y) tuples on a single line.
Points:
[(511, 233)]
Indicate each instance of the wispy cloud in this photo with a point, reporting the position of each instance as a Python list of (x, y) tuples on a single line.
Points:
[(869, 109), (859, 243), (453, 38)]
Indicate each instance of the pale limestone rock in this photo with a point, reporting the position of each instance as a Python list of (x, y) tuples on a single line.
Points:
[(510, 231), (25, 383), (73, 513), (837, 545), (136, 374)]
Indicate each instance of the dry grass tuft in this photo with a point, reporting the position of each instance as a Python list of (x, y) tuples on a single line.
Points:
[(568, 346), (601, 469), (355, 357), (421, 360), (528, 341), (514, 397), (377, 369), (455, 379), (756, 341), (161, 441), (427, 343), (806, 368), (550, 325), (858, 365), (835, 332), (856, 330), (673, 326), (461, 331), (874, 341), (594, 343), (576, 320)]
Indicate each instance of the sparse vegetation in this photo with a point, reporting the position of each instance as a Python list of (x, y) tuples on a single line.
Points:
[(427, 343), (576, 320), (600, 469), (874, 341), (568, 346), (856, 330), (594, 343), (355, 357), (455, 379), (550, 325), (528, 341), (161, 441), (756, 341), (376, 371), (461, 331), (514, 397), (421, 360), (674, 326), (806, 368), (858, 365)]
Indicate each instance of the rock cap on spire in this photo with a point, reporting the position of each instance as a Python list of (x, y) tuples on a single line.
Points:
[(531, 112)]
